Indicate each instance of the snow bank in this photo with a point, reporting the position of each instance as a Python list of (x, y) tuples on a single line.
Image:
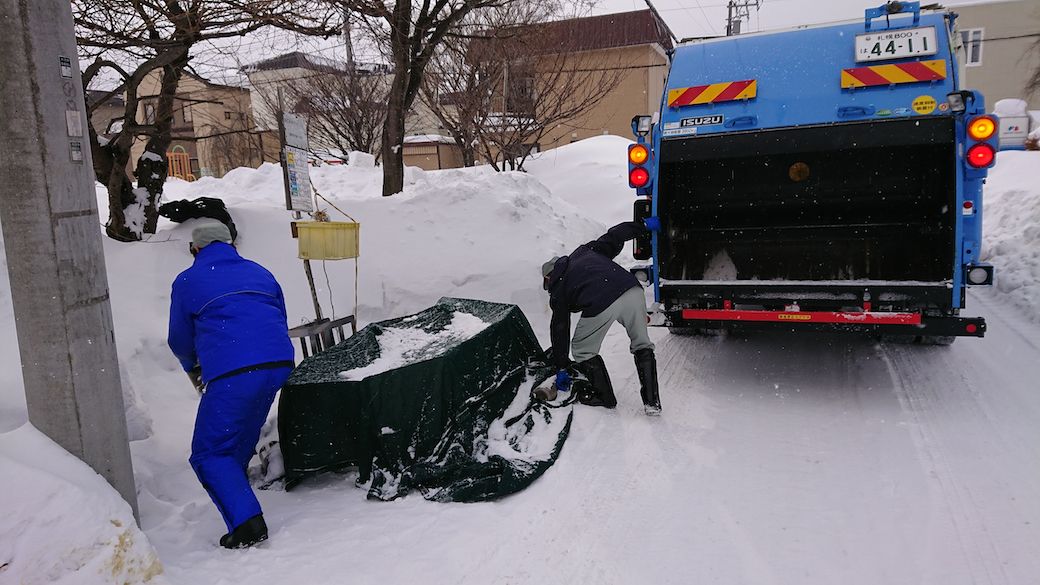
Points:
[(1010, 107), (591, 174), (470, 233), (62, 523), (1011, 228)]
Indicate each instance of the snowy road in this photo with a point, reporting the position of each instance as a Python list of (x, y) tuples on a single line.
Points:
[(780, 459)]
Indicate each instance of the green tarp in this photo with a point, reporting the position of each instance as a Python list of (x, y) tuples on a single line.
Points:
[(437, 402)]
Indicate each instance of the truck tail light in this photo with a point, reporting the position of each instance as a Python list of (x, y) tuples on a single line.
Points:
[(638, 177), (982, 128), (638, 154), (981, 156)]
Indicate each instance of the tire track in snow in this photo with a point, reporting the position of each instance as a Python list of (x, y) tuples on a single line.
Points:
[(916, 390)]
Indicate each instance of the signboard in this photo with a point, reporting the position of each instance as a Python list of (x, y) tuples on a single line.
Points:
[(295, 169), (295, 131), (298, 180), (1013, 131)]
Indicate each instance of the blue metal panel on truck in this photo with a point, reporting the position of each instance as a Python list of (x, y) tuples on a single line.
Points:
[(785, 64)]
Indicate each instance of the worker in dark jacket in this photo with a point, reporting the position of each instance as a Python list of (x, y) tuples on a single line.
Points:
[(590, 282), (228, 329)]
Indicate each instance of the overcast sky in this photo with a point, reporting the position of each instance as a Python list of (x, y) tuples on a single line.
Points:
[(690, 18), (687, 18)]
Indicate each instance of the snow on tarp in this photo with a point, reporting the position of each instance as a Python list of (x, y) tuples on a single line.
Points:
[(437, 402)]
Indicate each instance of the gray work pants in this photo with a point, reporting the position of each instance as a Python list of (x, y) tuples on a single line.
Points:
[(629, 310)]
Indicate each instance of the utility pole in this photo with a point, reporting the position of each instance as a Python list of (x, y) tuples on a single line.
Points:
[(52, 236), (737, 11), (348, 42)]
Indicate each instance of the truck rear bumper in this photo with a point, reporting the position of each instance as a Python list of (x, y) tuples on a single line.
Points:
[(898, 308), (868, 321)]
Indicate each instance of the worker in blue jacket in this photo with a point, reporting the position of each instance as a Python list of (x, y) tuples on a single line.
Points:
[(228, 329), (588, 281)]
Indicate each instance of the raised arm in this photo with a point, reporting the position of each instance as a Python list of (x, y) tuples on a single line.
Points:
[(611, 243)]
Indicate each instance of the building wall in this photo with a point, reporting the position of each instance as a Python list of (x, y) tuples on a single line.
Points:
[(641, 73), (638, 91), (212, 124), (432, 156), (264, 89), (1007, 63), (103, 115)]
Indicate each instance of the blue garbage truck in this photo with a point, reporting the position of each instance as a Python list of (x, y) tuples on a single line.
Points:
[(821, 178)]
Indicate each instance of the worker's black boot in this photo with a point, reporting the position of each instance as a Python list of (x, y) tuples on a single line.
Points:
[(646, 368), (250, 532), (599, 391)]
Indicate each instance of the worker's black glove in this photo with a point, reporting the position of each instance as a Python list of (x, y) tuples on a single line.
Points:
[(195, 375)]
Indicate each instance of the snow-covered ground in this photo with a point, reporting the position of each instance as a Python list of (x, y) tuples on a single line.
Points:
[(779, 458)]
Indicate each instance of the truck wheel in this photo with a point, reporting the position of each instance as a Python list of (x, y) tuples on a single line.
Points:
[(694, 332)]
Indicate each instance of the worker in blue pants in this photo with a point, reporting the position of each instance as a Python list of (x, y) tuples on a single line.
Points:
[(228, 329)]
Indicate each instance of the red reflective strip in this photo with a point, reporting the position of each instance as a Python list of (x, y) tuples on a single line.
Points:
[(918, 70), (689, 95), (868, 76), (732, 91), (867, 318)]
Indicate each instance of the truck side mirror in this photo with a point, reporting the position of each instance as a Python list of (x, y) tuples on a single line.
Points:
[(641, 125)]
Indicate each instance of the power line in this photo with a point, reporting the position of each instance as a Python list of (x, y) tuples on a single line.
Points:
[(703, 14)]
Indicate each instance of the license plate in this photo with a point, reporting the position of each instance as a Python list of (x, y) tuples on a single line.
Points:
[(896, 44)]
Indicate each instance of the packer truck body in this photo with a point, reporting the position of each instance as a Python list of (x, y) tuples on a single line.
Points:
[(825, 177)]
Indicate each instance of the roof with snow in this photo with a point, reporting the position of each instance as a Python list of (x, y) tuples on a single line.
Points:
[(96, 95), (298, 60), (428, 139)]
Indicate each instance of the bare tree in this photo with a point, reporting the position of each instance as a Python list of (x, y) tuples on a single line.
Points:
[(138, 38), (459, 92), (411, 35), (547, 84), (460, 87), (1033, 83), (345, 107), (346, 111)]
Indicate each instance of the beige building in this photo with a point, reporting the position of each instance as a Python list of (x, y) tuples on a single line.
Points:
[(290, 72), (213, 130), (999, 50), (548, 72), (633, 43), (106, 115)]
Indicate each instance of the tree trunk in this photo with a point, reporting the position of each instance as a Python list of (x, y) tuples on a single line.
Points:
[(392, 150), (110, 166), (153, 167), (396, 108)]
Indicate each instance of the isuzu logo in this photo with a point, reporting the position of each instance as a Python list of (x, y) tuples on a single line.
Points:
[(703, 121)]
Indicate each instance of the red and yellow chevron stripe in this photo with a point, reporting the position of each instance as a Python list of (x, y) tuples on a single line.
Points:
[(713, 93), (911, 72)]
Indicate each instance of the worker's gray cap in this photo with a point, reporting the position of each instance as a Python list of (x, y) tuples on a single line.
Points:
[(209, 232), (547, 268)]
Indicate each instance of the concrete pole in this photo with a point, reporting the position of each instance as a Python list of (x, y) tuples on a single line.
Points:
[(52, 235)]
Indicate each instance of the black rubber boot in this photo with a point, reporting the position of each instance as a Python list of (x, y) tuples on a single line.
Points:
[(250, 532), (646, 368), (599, 391)]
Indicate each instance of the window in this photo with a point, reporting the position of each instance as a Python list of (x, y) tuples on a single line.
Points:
[(971, 42), (227, 115), (149, 113), (186, 112), (241, 115)]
